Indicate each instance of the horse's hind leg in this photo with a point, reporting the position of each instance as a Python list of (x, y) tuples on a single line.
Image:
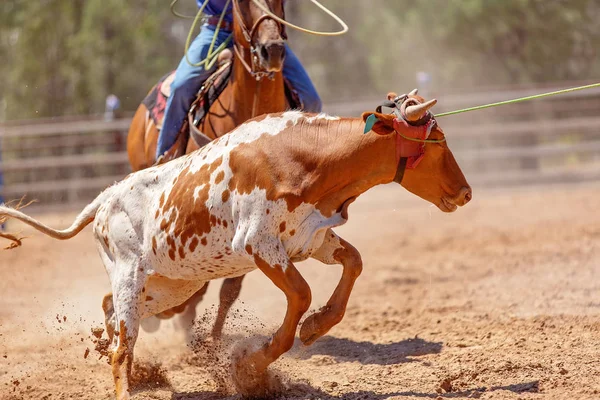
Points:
[(230, 291), (187, 317)]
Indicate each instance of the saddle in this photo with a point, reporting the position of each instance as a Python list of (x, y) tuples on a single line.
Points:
[(209, 92)]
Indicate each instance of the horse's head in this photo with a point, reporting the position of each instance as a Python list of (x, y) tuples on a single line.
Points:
[(424, 158), (259, 33)]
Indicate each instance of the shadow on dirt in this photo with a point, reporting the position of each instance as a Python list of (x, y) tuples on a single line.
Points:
[(347, 350), (303, 391)]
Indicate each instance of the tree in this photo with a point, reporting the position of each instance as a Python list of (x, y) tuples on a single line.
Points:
[(63, 57)]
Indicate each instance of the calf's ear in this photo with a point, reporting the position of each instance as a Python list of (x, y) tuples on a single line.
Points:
[(382, 124)]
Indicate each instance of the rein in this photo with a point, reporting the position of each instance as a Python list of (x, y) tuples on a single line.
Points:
[(211, 57), (249, 37)]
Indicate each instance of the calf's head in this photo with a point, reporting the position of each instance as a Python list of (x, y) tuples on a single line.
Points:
[(431, 171)]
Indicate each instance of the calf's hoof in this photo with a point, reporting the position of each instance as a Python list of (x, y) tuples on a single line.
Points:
[(250, 380), (309, 330)]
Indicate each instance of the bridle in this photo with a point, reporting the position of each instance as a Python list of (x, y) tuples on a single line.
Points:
[(409, 149), (253, 69)]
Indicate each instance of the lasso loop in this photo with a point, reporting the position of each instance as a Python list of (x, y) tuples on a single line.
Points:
[(175, 13), (299, 28), (212, 56)]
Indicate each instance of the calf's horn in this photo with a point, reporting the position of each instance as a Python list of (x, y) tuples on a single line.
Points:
[(413, 92), (418, 111)]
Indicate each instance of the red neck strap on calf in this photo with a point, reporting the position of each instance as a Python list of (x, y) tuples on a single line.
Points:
[(410, 140), (410, 136)]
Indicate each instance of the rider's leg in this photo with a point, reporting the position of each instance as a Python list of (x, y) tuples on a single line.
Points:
[(187, 82), (295, 73)]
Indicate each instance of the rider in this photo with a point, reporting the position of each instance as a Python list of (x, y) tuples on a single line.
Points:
[(189, 79)]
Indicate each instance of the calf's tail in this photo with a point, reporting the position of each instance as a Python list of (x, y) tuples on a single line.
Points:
[(84, 218)]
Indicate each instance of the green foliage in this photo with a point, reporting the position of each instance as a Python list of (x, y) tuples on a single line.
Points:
[(465, 43), (63, 57)]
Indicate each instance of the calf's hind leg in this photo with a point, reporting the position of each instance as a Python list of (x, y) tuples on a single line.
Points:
[(334, 250), (109, 315), (127, 291)]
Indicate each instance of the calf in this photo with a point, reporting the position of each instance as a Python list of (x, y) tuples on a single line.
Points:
[(265, 196)]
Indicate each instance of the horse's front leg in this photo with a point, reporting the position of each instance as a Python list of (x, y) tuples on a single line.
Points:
[(230, 291), (334, 250), (250, 365)]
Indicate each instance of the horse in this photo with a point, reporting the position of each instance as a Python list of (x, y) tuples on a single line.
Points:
[(255, 87)]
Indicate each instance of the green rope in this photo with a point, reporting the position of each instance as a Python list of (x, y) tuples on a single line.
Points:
[(213, 54), (534, 97), (421, 140), (211, 57), (175, 13)]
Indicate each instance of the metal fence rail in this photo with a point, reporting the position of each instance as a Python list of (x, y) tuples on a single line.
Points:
[(69, 161)]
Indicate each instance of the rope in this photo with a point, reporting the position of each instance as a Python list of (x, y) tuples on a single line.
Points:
[(299, 28), (175, 13), (534, 97), (212, 56)]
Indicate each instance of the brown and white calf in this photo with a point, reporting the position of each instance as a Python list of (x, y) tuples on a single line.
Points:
[(265, 196)]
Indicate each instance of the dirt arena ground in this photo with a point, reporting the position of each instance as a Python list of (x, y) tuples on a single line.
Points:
[(500, 300)]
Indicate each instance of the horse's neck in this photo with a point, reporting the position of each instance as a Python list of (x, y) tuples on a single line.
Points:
[(251, 98), (244, 98)]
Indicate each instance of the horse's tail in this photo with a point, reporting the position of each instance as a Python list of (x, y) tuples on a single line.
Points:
[(137, 137), (84, 218)]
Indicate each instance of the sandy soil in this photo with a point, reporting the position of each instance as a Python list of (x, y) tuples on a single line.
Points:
[(500, 300)]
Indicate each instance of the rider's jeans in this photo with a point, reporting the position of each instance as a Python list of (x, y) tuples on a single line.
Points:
[(189, 79)]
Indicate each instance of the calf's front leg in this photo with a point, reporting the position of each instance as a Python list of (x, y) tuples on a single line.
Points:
[(334, 250), (250, 366)]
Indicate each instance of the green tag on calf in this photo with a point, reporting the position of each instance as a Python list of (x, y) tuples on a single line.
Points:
[(371, 119)]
